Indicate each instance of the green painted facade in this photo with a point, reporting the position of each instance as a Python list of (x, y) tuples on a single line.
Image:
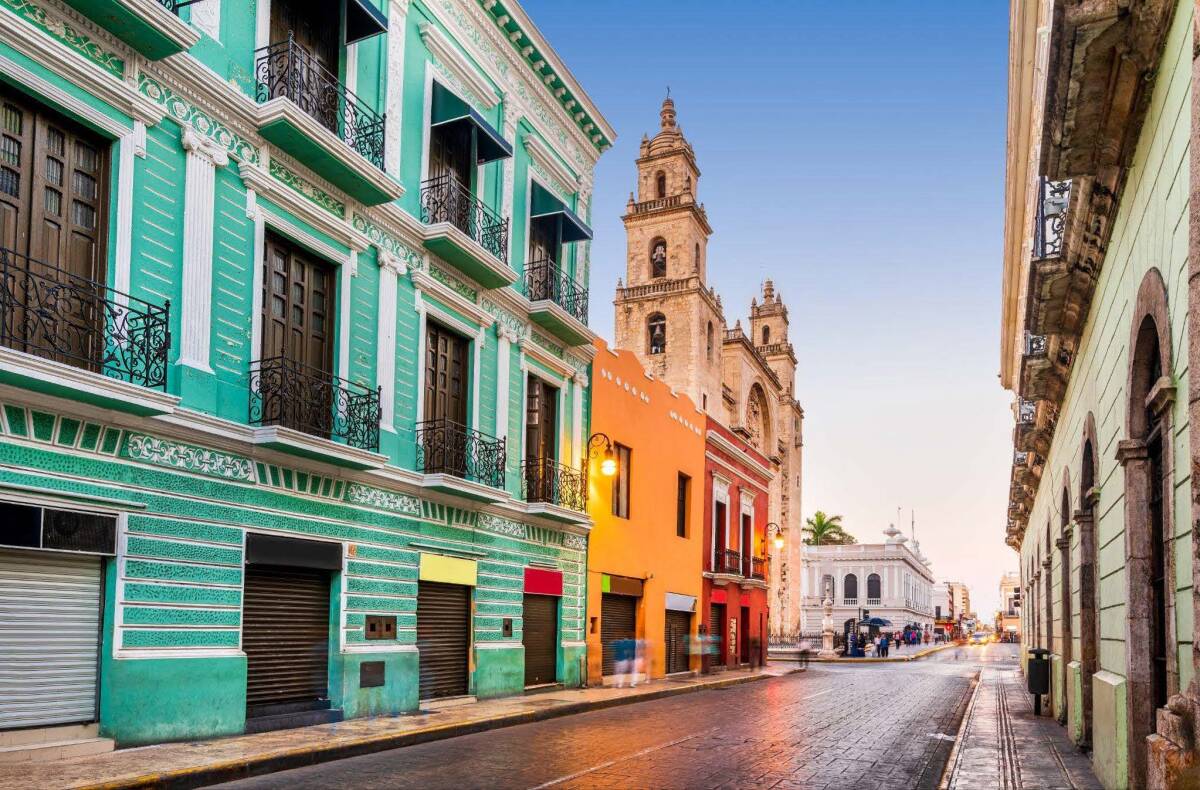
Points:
[(1150, 234), (188, 476)]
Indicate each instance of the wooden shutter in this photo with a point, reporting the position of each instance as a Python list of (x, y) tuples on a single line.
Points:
[(443, 638), (297, 296), (539, 635), (445, 375), (618, 620), (677, 639), (450, 153), (285, 634), (541, 420)]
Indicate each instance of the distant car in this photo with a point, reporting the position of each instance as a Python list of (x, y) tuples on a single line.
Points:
[(979, 638)]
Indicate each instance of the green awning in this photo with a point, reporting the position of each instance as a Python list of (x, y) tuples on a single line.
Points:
[(449, 110), (545, 204), (363, 20)]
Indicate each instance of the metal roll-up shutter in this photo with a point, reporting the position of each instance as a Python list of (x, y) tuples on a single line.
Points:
[(539, 634), (443, 638), (285, 634), (618, 620), (49, 638), (716, 628), (676, 640)]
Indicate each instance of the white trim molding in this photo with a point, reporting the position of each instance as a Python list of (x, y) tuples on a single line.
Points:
[(536, 352), (425, 282), (457, 63), (545, 158), (199, 211), (94, 385), (258, 179), (390, 270)]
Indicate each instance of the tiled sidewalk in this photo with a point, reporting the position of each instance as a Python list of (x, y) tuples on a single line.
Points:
[(1004, 746), (203, 762)]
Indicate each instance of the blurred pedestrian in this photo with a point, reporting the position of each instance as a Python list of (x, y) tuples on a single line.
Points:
[(624, 650)]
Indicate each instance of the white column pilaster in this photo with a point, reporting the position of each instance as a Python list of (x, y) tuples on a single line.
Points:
[(390, 269), (394, 102), (350, 271), (581, 382), (506, 337), (203, 158)]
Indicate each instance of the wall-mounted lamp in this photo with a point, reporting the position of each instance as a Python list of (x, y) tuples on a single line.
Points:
[(777, 531), (608, 459)]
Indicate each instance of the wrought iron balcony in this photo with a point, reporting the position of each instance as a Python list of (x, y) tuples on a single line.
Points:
[(758, 568), (1036, 345), (1053, 201), (446, 199), (546, 280), (1026, 411), (51, 313), (446, 447), (293, 395), (544, 480), (286, 69), (174, 5), (729, 561)]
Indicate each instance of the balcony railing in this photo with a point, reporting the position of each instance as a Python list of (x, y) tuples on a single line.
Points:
[(174, 5), (758, 568), (293, 395), (873, 601), (286, 69), (55, 314), (1036, 345), (1026, 412), (850, 601), (446, 447), (1052, 205), (544, 480), (729, 561), (545, 280), (445, 199)]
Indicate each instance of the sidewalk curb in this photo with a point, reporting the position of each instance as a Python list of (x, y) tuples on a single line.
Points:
[(272, 762), (914, 657), (952, 760)]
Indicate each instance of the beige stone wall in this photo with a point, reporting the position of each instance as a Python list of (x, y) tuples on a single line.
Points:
[(682, 232)]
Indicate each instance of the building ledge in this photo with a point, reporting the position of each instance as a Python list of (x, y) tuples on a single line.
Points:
[(299, 134), (56, 378), (470, 257), (305, 445), (468, 489), (145, 25), (553, 317), (558, 513)]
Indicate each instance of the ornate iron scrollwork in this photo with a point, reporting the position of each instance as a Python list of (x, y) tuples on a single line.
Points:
[(1026, 412), (286, 69), (544, 480), (445, 199), (446, 447), (545, 280), (1053, 201), (1036, 345), (293, 395), (54, 314)]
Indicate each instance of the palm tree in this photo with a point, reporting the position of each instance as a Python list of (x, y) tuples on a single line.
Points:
[(826, 530)]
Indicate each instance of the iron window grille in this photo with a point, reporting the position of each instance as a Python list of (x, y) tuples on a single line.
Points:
[(1036, 345), (1053, 200), (545, 480), (446, 199), (294, 395), (446, 447), (286, 69), (54, 314), (545, 280), (1026, 412)]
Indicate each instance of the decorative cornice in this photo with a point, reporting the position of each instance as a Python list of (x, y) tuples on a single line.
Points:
[(204, 148), (545, 158), (536, 352), (426, 283), (258, 179), (723, 444), (457, 64)]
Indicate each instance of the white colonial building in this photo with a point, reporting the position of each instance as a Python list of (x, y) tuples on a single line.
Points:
[(891, 579)]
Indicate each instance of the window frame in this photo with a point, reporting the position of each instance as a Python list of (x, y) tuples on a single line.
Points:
[(683, 495), (621, 488)]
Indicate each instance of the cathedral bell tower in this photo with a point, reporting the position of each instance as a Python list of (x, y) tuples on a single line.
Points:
[(665, 312)]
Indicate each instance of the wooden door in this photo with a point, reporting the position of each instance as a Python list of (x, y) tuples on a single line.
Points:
[(450, 153), (541, 421), (314, 29), (445, 375), (53, 189), (298, 293)]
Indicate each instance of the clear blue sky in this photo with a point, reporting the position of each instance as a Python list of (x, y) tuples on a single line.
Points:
[(853, 152)]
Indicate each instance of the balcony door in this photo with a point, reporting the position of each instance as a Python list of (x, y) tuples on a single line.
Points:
[(747, 543), (295, 381), (313, 72), (53, 190), (541, 440)]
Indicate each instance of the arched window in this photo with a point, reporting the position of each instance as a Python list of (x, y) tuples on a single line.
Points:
[(758, 421), (850, 589), (766, 335), (660, 184), (1064, 560), (708, 341), (873, 588), (1089, 604), (658, 258), (656, 333)]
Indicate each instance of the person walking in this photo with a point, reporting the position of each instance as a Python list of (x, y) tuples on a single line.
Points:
[(883, 644)]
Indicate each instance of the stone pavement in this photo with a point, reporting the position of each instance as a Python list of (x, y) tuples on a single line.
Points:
[(1003, 746), (202, 762)]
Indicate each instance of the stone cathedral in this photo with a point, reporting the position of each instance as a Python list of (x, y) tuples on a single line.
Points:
[(668, 314)]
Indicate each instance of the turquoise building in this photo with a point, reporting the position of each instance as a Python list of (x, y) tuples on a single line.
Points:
[(294, 361)]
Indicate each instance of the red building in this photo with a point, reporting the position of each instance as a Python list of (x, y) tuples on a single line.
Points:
[(734, 606)]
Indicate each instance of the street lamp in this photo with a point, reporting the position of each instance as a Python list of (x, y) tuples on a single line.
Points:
[(777, 531), (608, 462)]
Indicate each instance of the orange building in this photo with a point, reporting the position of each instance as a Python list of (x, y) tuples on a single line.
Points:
[(644, 555)]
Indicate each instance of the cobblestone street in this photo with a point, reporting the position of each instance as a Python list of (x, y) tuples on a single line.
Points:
[(884, 725)]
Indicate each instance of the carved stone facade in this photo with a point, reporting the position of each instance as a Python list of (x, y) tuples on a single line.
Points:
[(668, 314)]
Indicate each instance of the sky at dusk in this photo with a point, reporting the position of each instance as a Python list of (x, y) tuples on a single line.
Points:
[(853, 152)]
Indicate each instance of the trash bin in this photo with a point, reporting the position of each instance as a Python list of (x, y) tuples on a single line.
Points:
[(1037, 676)]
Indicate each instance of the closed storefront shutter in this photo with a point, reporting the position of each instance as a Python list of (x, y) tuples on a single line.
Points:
[(443, 638), (285, 634), (716, 629), (539, 634), (618, 620), (676, 640), (49, 638)]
